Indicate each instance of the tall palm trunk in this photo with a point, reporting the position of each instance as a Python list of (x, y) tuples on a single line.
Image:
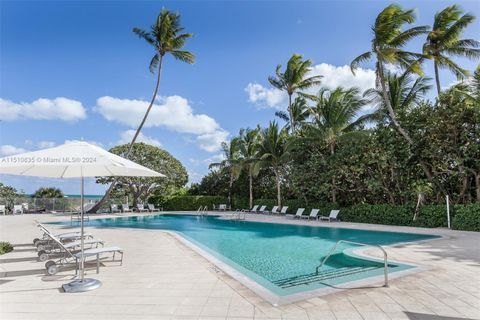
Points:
[(477, 186), (279, 191), (290, 113), (437, 77), (230, 186), (250, 182), (400, 129), (154, 96), (334, 182)]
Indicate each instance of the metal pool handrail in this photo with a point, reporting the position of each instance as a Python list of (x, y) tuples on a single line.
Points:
[(385, 259)]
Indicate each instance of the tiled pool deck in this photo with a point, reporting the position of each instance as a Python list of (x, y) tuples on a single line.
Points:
[(162, 278)]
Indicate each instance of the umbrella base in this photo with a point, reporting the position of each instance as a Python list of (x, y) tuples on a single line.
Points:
[(82, 286)]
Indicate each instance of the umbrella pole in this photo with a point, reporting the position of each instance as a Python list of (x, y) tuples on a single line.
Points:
[(82, 284)]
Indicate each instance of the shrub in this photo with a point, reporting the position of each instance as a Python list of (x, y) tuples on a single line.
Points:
[(190, 203), (467, 217), (5, 247)]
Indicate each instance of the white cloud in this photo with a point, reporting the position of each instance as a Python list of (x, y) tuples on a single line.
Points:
[(264, 97), (173, 113), (9, 150), (194, 177), (43, 109), (126, 137), (46, 144), (213, 159), (333, 77)]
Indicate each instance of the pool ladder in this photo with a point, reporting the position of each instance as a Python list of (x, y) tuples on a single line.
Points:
[(202, 211), (385, 259)]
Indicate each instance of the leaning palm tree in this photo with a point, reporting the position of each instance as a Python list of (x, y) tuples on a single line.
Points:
[(248, 148), (231, 163), (166, 37), (335, 117), (445, 41), (293, 80), (299, 111), (387, 43), (387, 48), (273, 152), (404, 92)]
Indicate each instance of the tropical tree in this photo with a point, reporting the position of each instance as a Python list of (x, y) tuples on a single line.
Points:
[(404, 92), (299, 111), (335, 116), (387, 48), (48, 192), (445, 40), (157, 159), (248, 149), (273, 152), (166, 36), (231, 163), (387, 43), (293, 80)]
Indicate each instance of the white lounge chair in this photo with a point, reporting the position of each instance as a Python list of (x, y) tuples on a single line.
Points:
[(114, 208), (152, 208), (141, 208), (313, 214), (274, 210), (262, 209), (254, 209), (284, 210), (3, 209), (332, 217), (299, 213), (126, 208), (17, 209)]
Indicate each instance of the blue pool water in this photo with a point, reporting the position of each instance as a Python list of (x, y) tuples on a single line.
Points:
[(280, 257)]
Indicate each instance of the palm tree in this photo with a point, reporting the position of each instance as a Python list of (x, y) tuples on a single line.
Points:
[(444, 41), (248, 148), (166, 37), (293, 79), (272, 149), (299, 110), (387, 44), (231, 163), (388, 40), (404, 92), (335, 117)]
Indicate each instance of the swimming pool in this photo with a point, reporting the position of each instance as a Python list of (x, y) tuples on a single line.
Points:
[(280, 257)]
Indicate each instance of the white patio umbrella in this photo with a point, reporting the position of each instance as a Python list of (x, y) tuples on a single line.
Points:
[(77, 159)]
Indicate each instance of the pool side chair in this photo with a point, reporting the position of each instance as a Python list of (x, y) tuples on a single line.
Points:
[(274, 210), (262, 209), (299, 213), (254, 209), (114, 208), (152, 208), (313, 214), (141, 207), (126, 208), (332, 217), (284, 210), (17, 209), (3, 209)]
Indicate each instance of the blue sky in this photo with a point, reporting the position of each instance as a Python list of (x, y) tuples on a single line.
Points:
[(86, 53)]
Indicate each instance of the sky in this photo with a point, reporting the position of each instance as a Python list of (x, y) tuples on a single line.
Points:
[(74, 70)]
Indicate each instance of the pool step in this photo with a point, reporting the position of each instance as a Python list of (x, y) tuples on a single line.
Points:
[(321, 276)]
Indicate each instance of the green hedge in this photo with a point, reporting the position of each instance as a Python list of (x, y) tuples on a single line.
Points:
[(467, 217), (463, 217), (190, 203)]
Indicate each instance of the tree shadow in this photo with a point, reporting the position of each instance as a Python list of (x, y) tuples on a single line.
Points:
[(425, 316), (11, 260)]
